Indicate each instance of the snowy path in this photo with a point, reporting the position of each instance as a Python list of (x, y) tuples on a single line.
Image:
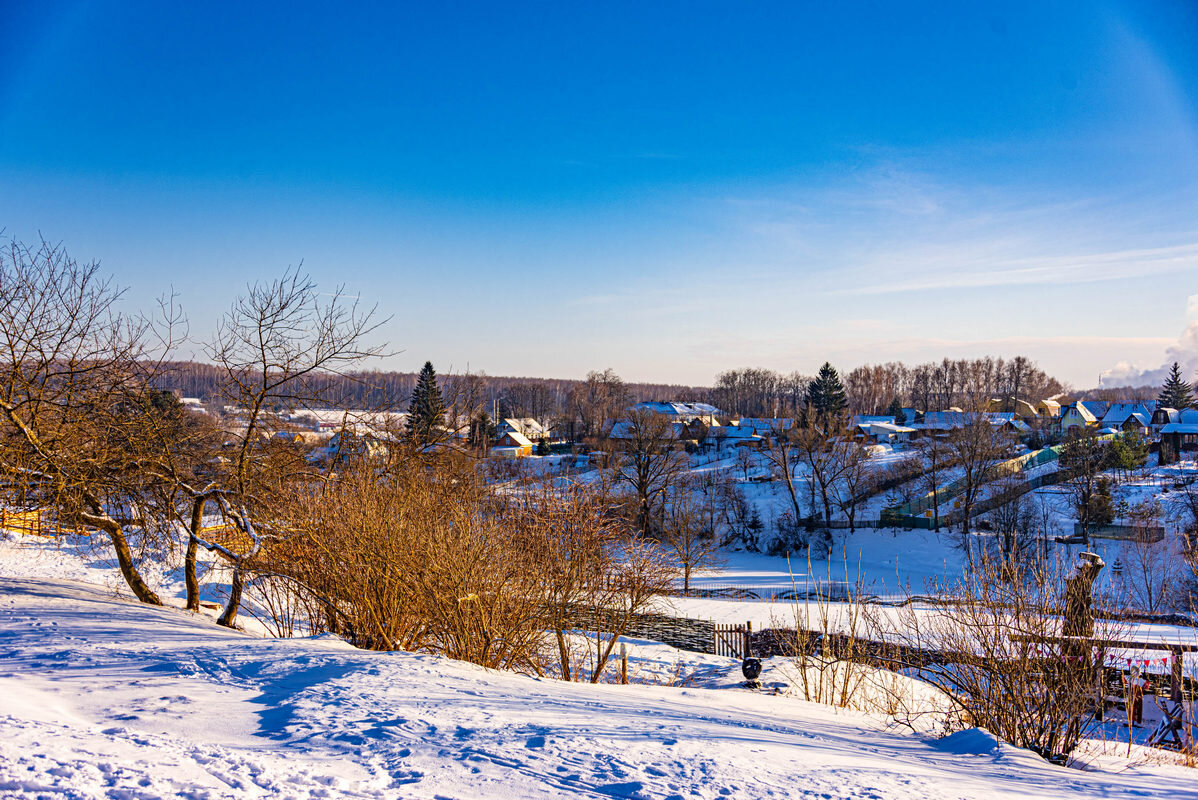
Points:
[(100, 697)]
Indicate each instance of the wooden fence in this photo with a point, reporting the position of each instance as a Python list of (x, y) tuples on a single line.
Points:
[(36, 522)]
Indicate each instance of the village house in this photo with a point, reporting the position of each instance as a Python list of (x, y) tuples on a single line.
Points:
[(1048, 409), (684, 412), (527, 427), (1128, 417), (722, 436), (883, 433), (1179, 436), (512, 444), (765, 426), (1022, 409), (1082, 414), (1164, 416)]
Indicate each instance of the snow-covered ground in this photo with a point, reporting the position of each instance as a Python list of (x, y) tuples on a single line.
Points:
[(889, 562), (102, 697)]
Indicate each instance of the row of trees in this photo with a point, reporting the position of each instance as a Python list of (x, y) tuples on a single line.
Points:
[(874, 388)]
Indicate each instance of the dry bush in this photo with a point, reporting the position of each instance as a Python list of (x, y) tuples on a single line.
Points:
[(595, 576), (421, 557), (828, 647), (425, 555), (994, 648)]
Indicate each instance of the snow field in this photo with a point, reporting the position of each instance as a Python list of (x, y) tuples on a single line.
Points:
[(102, 697)]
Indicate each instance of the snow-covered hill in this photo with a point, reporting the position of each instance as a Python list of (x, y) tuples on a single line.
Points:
[(101, 697)]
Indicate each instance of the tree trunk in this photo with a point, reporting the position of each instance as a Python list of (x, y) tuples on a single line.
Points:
[(189, 560), (189, 575), (563, 654), (228, 617), (124, 558)]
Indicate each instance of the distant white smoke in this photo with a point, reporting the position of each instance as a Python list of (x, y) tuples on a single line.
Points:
[(1185, 353)]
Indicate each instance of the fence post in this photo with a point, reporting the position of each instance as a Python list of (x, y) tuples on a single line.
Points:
[(748, 650), (1175, 675)]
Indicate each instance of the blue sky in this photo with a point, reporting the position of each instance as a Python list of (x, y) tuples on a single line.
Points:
[(669, 189)]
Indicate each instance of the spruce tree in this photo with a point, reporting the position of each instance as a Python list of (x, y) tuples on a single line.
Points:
[(1176, 392), (826, 393), (896, 411), (426, 409)]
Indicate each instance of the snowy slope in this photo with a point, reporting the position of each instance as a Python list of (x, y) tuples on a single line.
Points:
[(101, 697)]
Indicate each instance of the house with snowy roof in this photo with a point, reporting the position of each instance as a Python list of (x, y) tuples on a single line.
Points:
[(882, 432), (1083, 414), (683, 412), (1021, 408), (1048, 409), (936, 422), (512, 444), (765, 426), (720, 436), (1128, 417), (526, 426), (1179, 436)]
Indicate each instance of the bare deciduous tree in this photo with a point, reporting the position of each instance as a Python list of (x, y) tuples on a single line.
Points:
[(688, 536), (77, 398), (1085, 458), (977, 448), (273, 345), (936, 456), (649, 462)]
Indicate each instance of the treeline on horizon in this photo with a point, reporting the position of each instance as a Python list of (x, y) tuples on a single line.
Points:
[(390, 390), (749, 392)]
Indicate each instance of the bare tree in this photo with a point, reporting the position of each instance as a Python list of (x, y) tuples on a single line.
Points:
[(688, 536), (977, 448), (1085, 458), (746, 459), (273, 345), (77, 397), (1153, 569), (599, 402), (785, 457), (1013, 521), (854, 478), (650, 462), (936, 456), (822, 444)]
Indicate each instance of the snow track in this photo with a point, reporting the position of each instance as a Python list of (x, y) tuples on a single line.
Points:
[(104, 698)]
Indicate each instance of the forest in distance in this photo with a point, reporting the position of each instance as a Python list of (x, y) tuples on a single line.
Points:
[(749, 392)]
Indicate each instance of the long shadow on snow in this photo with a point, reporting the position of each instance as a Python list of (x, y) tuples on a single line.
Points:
[(282, 685)]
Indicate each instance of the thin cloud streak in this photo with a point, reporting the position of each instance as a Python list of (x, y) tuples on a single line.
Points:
[(1030, 271)]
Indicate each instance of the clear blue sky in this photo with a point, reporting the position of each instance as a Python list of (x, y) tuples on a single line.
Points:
[(666, 189)]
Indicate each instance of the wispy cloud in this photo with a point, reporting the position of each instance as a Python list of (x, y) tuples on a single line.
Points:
[(977, 270), (891, 229)]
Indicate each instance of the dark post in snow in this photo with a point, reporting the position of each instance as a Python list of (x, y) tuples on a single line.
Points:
[(1079, 596), (1078, 626)]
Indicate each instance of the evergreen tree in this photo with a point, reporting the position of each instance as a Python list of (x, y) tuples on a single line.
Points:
[(896, 411), (826, 393), (1176, 392), (426, 409)]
